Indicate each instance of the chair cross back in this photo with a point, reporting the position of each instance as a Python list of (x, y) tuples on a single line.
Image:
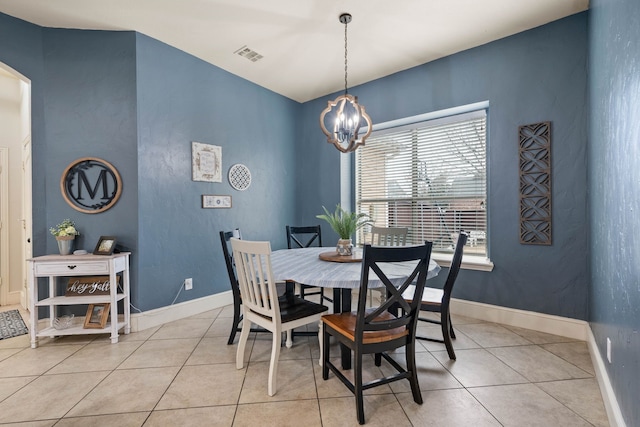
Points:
[(294, 236), (295, 239), (372, 258), (382, 329)]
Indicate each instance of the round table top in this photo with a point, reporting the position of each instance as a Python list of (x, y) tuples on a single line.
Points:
[(305, 266)]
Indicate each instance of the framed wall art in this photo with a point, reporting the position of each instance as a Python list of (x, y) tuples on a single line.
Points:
[(206, 162), (97, 315), (210, 201)]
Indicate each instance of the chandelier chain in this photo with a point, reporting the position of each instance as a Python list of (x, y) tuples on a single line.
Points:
[(345, 57)]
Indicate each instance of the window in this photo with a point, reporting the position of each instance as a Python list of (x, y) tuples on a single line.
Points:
[(429, 176)]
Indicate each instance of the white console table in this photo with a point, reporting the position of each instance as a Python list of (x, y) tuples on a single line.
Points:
[(53, 266)]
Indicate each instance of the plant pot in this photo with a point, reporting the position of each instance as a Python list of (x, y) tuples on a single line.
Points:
[(344, 247), (65, 244)]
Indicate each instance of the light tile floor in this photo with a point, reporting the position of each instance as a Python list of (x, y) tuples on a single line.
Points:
[(183, 374)]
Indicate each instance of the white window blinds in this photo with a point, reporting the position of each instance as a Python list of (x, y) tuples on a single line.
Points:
[(429, 177)]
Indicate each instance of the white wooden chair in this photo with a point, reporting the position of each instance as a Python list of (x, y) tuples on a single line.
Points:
[(389, 236), (261, 305), (386, 236)]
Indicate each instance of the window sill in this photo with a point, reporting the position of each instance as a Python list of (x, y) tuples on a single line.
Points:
[(469, 262)]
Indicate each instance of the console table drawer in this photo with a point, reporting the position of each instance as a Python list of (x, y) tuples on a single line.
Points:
[(71, 268)]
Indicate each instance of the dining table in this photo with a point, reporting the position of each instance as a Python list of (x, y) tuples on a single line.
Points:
[(322, 267)]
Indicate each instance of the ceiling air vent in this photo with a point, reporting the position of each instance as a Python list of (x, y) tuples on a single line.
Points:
[(251, 55)]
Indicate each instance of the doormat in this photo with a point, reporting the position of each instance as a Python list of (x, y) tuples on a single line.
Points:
[(11, 324)]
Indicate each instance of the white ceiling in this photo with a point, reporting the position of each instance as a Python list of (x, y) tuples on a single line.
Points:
[(302, 41)]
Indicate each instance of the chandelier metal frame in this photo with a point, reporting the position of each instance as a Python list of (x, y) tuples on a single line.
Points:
[(349, 115)]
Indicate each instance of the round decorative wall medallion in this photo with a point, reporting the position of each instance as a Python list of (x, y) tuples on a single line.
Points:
[(239, 177), (91, 185)]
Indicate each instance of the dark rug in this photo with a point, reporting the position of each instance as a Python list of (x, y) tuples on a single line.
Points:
[(11, 324)]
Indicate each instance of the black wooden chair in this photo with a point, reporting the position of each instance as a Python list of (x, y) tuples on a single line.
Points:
[(377, 330), (305, 237), (438, 300), (225, 236), (386, 236)]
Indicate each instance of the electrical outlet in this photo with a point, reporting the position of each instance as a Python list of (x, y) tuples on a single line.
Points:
[(608, 349), (188, 284)]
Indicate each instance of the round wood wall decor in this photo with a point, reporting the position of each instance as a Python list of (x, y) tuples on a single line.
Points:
[(91, 185)]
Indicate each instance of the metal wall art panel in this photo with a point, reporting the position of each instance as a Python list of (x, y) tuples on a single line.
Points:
[(535, 183)]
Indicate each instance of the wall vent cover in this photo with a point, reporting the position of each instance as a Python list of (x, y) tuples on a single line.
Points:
[(248, 53)]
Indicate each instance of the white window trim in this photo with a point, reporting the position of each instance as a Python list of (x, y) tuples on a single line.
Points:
[(469, 262)]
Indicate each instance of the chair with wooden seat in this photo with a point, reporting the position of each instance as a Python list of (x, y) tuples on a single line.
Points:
[(376, 330), (261, 304), (438, 300), (386, 236), (306, 237)]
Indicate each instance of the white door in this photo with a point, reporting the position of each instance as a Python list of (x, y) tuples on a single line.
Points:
[(4, 230), (26, 215)]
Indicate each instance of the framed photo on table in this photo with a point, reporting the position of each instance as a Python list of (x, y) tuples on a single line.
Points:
[(97, 315), (105, 245)]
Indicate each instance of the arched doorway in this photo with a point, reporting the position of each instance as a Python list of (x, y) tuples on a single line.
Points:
[(15, 185)]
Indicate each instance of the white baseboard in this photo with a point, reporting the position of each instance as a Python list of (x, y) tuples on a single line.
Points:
[(608, 396), (162, 315), (556, 325)]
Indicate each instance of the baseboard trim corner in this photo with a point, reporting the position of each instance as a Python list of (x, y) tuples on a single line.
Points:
[(556, 325), (159, 316), (608, 396), (563, 326)]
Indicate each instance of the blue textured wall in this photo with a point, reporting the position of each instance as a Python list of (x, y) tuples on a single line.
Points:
[(90, 111), (614, 185), (138, 104), (183, 99), (527, 78), (534, 76), (21, 49)]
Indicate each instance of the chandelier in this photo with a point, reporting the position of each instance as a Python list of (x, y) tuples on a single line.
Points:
[(344, 115)]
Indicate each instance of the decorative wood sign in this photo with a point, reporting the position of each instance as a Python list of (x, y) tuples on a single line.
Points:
[(89, 285), (535, 183), (91, 185)]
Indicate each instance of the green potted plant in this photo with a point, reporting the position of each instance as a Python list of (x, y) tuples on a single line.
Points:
[(65, 233), (344, 224)]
